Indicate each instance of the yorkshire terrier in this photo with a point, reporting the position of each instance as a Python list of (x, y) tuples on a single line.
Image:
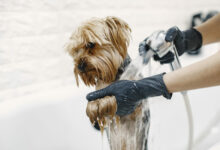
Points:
[(99, 50)]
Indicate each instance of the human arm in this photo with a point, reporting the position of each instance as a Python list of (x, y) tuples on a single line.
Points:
[(128, 94), (205, 73), (202, 74), (210, 30), (188, 40)]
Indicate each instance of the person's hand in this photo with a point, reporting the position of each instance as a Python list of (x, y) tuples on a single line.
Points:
[(128, 93), (183, 40)]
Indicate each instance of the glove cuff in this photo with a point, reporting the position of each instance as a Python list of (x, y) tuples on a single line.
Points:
[(165, 94), (199, 38), (193, 39)]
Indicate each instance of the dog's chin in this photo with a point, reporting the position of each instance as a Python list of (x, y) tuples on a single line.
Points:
[(91, 77)]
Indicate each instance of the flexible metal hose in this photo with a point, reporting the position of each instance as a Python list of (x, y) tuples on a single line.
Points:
[(174, 66)]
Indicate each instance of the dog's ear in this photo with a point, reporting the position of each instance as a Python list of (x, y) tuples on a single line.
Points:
[(119, 32)]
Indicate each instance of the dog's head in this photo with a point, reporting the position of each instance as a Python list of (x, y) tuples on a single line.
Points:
[(99, 47)]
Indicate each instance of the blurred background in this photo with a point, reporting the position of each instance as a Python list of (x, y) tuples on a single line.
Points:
[(41, 108)]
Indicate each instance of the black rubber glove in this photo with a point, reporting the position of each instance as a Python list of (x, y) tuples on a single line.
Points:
[(128, 93), (183, 40)]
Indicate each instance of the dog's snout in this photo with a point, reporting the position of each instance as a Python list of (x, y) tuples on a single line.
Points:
[(82, 66)]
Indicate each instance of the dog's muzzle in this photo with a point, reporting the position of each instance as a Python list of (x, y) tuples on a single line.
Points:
[(82, 66)]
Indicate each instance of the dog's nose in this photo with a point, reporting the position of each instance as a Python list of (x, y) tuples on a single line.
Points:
[(82, 66)]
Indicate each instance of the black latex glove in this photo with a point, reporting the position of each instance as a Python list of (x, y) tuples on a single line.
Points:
[(183, 40), (128, 93)]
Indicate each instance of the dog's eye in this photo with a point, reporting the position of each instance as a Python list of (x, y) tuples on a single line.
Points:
[(90, 45)]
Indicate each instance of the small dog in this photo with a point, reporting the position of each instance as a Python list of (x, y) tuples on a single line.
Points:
[(99, 51)]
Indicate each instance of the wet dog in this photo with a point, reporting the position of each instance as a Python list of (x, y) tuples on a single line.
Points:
[(99, 50)]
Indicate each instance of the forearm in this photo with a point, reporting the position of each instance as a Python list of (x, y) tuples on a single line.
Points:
[(202, 74), (210, 30)]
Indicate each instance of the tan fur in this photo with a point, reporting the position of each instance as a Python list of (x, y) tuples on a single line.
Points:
[(111, 36)]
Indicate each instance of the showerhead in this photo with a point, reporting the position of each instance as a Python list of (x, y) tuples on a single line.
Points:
[(158, 44)]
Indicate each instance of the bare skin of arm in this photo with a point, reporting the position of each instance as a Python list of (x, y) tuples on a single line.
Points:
[(202, 74), (210, 30)]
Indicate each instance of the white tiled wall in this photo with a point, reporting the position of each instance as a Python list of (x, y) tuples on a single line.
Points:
[(40, 106)]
